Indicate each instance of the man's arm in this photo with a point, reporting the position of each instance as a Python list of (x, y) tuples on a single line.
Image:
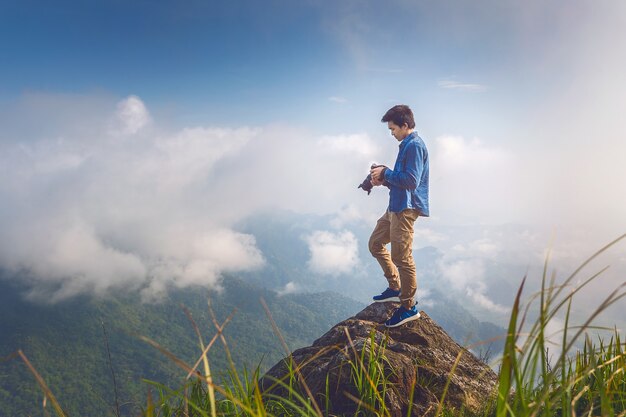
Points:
[(410, 177)]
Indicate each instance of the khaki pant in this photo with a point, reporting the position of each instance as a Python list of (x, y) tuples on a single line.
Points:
[(399, 266)]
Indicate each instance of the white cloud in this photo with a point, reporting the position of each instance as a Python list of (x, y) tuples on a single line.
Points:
[(359, 144), (337, 99), (289, 288), (131, 116), (77, 262), (457, 154), (366, 213), (469, 87), (485, 264), (332, 253), (345, 216), (479, 298), (467, 276), (191, 154), (426, 236), (424, 300), (462, 273), (485, 247), (95, 215), (86, 212), (471, 180)]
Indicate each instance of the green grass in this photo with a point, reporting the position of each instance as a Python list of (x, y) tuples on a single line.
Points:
[(369, 373), (589, 381)]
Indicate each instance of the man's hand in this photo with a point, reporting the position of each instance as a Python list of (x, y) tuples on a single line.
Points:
[(376, 183), (377, 175)]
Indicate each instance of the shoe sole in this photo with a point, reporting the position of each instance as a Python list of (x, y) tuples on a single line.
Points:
[(396, 299), (400, 323)]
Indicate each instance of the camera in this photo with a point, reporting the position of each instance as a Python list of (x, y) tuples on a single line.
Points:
[(367, 185)]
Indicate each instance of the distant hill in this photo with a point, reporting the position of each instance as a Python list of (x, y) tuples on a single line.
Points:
[(65, 342)]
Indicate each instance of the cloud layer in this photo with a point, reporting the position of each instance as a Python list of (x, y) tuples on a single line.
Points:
[(333, 253), (105, 198), (127, 205), (122, 208)]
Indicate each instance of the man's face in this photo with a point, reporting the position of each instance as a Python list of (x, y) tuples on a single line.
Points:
[(398, 132)]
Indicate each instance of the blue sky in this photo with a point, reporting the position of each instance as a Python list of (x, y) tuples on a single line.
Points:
[(276, 60), (213, 55), (123, 123)]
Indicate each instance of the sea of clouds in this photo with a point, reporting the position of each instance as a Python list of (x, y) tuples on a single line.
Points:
[(98, 196)]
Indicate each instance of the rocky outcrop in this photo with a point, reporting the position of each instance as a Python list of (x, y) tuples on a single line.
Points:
[(416, 359)]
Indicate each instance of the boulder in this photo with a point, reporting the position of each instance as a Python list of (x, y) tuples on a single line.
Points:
[(416, 359)]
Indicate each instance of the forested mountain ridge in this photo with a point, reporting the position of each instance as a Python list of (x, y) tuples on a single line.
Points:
[(66, 342)]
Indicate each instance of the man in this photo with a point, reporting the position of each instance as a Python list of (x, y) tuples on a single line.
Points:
[(408, 199)]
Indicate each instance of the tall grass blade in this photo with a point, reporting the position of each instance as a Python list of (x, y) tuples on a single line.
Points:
[(288, 352), (42, 384), (509, 362), (205, 361)]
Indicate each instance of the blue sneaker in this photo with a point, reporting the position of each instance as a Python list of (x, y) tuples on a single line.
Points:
[(402, 315), (387, 295)]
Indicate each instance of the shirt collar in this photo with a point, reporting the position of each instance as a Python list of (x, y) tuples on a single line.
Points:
[(407, 139)]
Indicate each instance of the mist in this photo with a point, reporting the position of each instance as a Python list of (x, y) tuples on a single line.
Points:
[(105, 196)]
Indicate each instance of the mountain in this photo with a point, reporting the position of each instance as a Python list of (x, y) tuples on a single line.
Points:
[(66, 342)]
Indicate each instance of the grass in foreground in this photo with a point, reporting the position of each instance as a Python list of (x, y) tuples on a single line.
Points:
[(588, 382)]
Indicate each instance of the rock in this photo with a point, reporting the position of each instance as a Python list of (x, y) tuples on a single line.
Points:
[(418, 358)]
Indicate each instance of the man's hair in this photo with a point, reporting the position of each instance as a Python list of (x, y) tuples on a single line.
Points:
[(400, 115)]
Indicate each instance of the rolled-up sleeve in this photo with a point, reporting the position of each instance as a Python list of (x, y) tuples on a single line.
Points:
[(409, 177)]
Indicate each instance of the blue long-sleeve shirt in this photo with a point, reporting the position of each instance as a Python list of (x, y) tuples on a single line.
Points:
[(408, 181)]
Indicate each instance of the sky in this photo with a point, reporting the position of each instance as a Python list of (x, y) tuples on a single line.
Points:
[(135, 135)]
